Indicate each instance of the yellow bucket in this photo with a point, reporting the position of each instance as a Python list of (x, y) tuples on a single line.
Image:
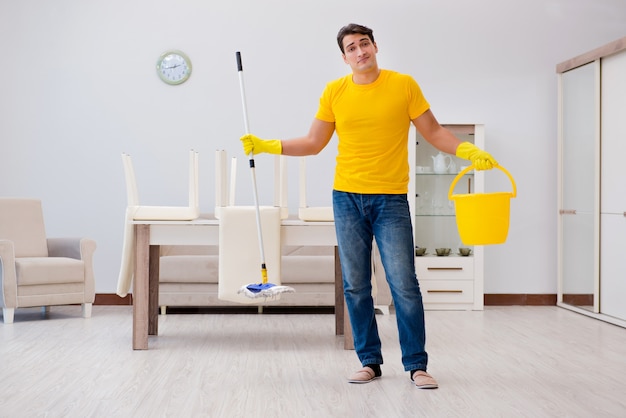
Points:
[(482, 218)]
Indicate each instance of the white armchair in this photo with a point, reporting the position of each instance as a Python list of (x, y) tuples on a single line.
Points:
[(40, 271)]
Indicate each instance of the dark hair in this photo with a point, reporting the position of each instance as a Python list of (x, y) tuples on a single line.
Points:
[(351, 29)]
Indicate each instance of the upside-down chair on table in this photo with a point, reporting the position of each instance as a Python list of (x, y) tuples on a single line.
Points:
[(137, 212)]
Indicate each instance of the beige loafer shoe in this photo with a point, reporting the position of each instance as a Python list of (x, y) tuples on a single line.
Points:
[(424, 381), (365, 375)]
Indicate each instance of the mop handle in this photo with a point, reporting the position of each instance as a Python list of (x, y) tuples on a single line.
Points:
[(252, 167), (242, 89)]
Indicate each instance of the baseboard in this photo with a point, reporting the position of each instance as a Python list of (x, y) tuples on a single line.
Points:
[(113, 299), (578, 299), (496, 299), (509, 299)]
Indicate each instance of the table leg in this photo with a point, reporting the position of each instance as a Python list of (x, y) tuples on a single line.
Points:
[(141, 287), (339, 301), (342, 320), (153, 290), (348, 340)]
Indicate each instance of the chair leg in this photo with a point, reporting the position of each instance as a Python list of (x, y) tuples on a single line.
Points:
[(7, 315), (86, 308), (45, 310)]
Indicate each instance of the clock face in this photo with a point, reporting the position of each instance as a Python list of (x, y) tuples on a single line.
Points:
[(174, 67)]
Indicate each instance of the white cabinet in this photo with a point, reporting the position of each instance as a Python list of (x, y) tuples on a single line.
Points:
[(578, 179), (592, 195), (452, 282), (613, 187)]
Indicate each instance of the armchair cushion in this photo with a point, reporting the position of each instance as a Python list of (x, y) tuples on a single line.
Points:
[(48, 270)]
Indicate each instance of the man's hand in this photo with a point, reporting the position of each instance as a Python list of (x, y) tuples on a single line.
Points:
[(257, 145), (481, 160)]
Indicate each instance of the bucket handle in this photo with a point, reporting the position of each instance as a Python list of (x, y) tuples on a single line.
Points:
[(466, 169)]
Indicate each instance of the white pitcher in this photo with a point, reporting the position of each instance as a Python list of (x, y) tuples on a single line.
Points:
[(441, 163)]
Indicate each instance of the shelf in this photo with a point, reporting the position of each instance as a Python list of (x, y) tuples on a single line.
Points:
[(443, 174), (444, 256)]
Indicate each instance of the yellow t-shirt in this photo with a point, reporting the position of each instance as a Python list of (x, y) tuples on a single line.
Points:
[(372, 124)]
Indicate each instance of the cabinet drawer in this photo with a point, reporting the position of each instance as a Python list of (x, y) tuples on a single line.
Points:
[(447, 291), (444, 268)]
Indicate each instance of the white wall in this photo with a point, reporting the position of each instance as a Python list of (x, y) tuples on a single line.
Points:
[(78, 87)]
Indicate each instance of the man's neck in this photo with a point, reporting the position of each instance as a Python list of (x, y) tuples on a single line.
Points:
[(366, 77)]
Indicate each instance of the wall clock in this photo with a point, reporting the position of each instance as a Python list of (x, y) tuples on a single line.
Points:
[(174, 67)]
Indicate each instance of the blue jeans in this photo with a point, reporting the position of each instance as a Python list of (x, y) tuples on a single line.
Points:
[(358, 219)]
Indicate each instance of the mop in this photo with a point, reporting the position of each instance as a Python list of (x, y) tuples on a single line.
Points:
[(263, 289)]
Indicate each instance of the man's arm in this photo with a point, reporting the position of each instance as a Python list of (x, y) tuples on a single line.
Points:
[(442, 139), (318, 137), (438, 136)]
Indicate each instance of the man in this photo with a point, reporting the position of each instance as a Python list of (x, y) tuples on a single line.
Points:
[(371, 110)]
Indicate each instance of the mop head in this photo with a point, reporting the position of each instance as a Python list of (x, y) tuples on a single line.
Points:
[(264, 290)]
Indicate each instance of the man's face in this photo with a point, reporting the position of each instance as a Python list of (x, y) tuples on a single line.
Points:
[(359, 52)]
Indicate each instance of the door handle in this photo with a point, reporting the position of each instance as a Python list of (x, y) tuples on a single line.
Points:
[(569, 212)]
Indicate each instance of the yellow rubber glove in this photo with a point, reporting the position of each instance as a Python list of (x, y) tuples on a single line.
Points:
[(258, 145), (481, 160)]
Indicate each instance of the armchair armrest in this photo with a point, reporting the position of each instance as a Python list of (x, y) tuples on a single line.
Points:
[(80, 249), (8, 279)]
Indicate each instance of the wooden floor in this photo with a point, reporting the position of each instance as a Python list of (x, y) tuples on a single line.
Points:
[(502, 362)]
